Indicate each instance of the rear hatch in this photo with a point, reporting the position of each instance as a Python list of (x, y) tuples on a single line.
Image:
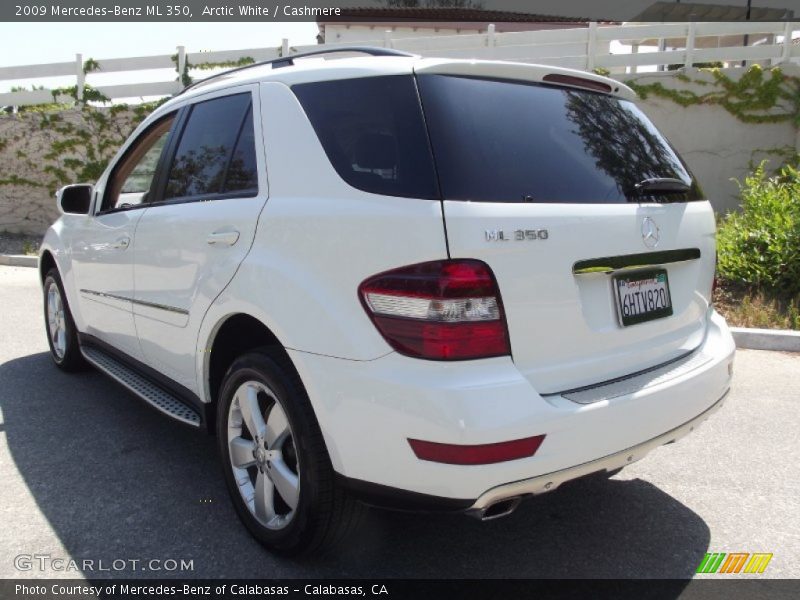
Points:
[(596, 231)]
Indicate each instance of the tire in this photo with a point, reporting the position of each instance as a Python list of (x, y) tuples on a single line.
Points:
[(62, 335), (277, 468)]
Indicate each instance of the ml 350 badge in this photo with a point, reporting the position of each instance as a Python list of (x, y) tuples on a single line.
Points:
[(518, 235)]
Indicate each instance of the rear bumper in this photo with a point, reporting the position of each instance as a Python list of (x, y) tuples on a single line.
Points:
[(551, 481), (368, 409)]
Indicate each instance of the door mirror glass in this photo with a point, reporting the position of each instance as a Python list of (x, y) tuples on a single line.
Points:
[(75, 199)]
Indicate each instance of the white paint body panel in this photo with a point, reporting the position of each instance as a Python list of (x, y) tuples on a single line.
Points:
[(370, 409), (101, 266), (176, 267), (317, 240), (564, 328)]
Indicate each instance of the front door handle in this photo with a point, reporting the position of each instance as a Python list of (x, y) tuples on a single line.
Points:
[(122, 243), (223, 238)]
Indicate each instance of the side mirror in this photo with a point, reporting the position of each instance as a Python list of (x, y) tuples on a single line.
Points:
[(75, 199)]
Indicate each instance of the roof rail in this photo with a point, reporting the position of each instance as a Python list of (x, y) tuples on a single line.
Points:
[(288, 61)]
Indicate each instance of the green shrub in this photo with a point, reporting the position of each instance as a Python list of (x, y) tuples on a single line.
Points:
[(760, 246)]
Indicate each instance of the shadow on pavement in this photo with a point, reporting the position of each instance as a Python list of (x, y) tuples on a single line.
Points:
[(116, 480)]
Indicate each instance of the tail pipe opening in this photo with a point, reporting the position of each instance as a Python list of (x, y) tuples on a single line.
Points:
[(499, 509)]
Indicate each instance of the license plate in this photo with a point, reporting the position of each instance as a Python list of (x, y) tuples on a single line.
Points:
[(642, 296)]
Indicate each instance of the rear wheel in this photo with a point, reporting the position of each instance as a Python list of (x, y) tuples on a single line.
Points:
[(276, 465), (62, 336)]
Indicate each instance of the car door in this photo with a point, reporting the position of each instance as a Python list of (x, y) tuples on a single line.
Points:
[(102, 246), (199, 227)]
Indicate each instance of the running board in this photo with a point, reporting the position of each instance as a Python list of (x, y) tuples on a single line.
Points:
[(154, 395)]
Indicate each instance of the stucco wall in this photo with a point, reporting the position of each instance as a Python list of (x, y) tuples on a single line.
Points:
[(717, 145), (40, 152)]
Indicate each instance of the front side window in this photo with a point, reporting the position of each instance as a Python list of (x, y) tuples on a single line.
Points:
[(373, 133), (130, 182), (216, 152)]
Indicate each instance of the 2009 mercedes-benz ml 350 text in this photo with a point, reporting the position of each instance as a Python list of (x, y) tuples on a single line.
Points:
[(417, 283)]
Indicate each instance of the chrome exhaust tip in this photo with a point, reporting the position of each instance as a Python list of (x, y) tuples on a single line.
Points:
[(499, 509)]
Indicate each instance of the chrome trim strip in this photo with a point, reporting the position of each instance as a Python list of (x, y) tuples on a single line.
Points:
[(174, 309), (609, 264), (105, 295), (623, 378), (550, 481), (639, 381)]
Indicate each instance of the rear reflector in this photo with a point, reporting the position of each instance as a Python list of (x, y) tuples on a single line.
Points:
[(483, 454), (440, 310)]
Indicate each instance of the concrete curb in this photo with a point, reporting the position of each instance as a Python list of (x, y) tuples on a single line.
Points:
[(766, 339), (19, 260)]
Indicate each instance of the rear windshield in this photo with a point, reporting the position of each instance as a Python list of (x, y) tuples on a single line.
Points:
[(503, 141), (490, 140)]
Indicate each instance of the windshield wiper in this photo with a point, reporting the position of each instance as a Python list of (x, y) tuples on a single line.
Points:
[(660, 185)]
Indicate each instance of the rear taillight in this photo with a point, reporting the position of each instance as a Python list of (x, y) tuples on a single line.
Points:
[(440, 310)]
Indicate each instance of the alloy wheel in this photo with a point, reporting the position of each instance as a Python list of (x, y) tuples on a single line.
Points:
[(56, 321), (262, 455)]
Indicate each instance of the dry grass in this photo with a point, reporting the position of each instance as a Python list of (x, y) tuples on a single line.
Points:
[(16, 243), (29, 248), (743, 307)]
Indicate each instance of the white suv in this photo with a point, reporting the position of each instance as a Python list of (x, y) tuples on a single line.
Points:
[(424, 284)]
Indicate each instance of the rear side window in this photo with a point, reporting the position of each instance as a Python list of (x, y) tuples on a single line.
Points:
[(373, 133), (216, 151), (504, 141), (242, 171)]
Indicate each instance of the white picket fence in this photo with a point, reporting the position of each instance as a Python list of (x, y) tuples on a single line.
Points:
[(580, 48)]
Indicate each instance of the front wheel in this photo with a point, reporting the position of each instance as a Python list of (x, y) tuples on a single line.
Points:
[(275, 462), (62, 336)]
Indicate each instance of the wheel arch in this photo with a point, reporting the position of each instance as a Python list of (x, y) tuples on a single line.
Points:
[(233, 336), (46, 262)]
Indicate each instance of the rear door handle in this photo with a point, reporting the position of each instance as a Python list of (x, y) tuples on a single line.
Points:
[(122, 243), (223, 238)]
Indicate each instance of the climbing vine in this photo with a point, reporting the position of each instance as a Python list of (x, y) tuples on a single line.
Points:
[(74, 145), (90, 94), (90, 65), (758, 96), (186, 79), (75, 141), (184, 76), (226, 64), (78, 143)]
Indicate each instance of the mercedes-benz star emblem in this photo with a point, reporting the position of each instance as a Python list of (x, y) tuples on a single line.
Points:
[(650, 233)]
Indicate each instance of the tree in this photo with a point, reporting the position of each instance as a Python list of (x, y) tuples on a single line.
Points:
[(623, 145)]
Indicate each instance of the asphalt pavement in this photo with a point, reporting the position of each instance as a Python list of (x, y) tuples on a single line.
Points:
[(88, 472)]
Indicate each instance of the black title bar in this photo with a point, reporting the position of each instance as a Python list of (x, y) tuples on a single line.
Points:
[(396, 589), (387, 11)]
